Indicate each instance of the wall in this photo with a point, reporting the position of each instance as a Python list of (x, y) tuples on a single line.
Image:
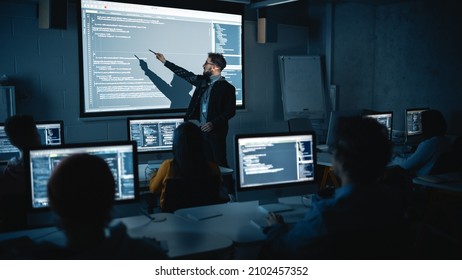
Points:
[(44, 66), (418, 58), (353, 55), (399, 55)]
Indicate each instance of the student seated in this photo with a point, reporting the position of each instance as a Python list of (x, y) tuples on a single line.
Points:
[(22, 133), (199, 179), (428, 151), (81, 192), (361, 220)]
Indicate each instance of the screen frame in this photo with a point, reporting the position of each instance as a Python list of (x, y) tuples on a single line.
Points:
[(28, 177), (282, 189), (406, 129), (16, 153), (58, 122), (147, 118), (52, 122), (390, 113), (208, 6), (333, 123)]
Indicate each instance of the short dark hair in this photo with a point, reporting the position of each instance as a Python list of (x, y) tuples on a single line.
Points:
[(188, 150), (433, 123), (22, 131), (363, 149), (81, 191), (218, 60)]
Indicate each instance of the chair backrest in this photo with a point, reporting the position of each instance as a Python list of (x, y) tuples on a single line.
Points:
[(446, 163), (182, 193), (450, 161), (13, 204), (300, 124)]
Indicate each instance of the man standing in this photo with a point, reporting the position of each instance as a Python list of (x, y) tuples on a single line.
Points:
[(212, 104)]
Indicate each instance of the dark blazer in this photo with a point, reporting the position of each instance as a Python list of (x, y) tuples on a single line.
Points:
[(222, 102)]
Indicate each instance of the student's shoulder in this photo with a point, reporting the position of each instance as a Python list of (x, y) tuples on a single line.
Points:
[(134, 248), (143, 248), (214, 167), (167, 163), (213, 164)]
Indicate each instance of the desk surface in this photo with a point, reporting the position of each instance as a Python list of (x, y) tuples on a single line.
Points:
[(181, 237), (218, 228), (448, 181), (237, 220)]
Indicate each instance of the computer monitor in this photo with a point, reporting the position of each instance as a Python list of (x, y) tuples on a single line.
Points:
[(385, 118), (333, 121), (51, 132), (153, 134), (413, 121), (120, 156), (273, 165), (7, 150)]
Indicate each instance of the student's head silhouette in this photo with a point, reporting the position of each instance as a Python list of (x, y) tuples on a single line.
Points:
[(22, 131), (81, 191), (433, 123), (188, 149), (362, 149)]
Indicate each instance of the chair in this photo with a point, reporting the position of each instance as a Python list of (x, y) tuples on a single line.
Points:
[(182, 193), (328, 173), (450, 161), (13, 205), (300, 124)]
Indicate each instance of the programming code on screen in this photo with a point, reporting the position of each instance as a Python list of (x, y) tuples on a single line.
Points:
[(385, 119), (50, 134), (277, 161), (153, 135), (7, 150), (117, 36), (414, 122), (43, 162)]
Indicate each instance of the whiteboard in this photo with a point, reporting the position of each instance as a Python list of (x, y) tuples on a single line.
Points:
[(302, 86)]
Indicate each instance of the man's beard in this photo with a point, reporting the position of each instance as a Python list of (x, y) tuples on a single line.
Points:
[(208, 73)]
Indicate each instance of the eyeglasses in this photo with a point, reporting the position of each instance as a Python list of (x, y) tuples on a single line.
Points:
[(211, 63)]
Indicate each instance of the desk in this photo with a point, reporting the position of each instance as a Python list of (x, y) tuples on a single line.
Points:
[(442, 208), (234, 221), (182, 238), (447, 182)]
